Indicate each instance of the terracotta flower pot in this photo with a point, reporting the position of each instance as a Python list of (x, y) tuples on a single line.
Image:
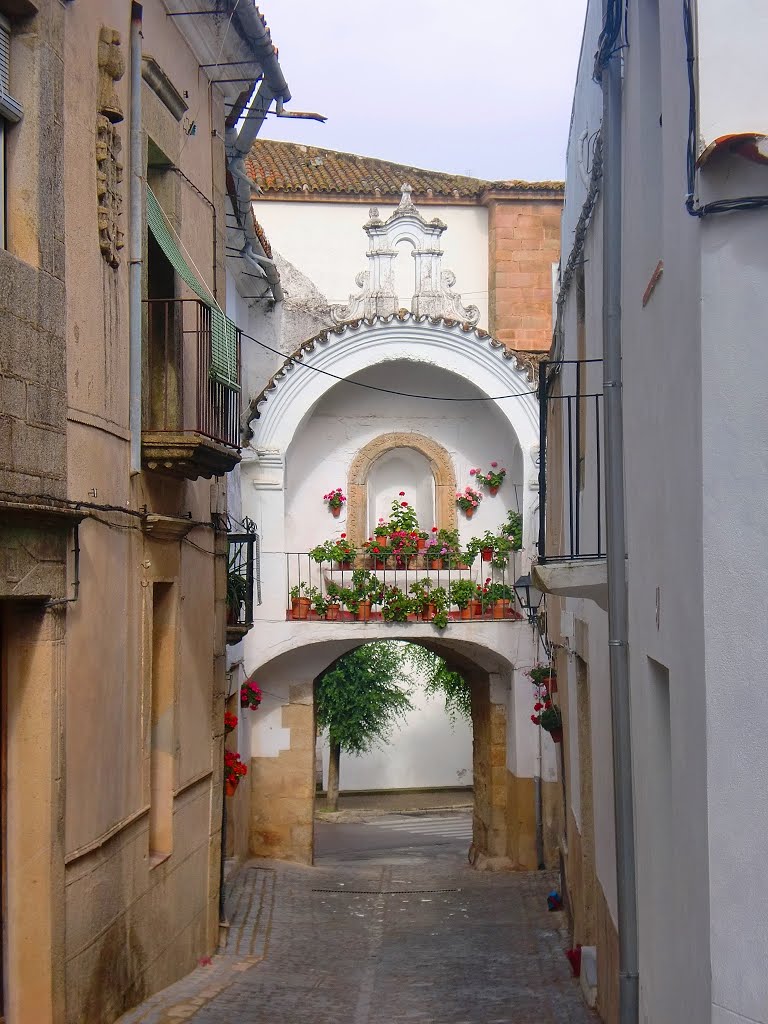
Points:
[(487, 554), (500, 607), (421, 543), (300, 607), (465, 613), (461, 565), (427, 612), (363, 612), (230, 787), (557, 734), (469, 512), (493, 491), (335, 511), (551, 683), (475, 608), (332, 612), (344, 565), (435, 563)]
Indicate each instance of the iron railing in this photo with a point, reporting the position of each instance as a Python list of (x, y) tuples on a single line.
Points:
[(180, 394), (305, 574), (571, 477), (243, 578)]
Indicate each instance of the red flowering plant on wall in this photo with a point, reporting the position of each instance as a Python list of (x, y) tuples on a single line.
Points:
[(335, 499), (230, 722), (468, 499), (234, 769), (547, 714), (250, 695), (493, 479)]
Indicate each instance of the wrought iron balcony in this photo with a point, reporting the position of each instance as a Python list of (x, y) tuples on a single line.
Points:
[(191, 413), (571, 547), (336, 592), (243, 581)]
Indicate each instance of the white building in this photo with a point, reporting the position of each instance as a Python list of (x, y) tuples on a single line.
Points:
[(390, 382), (692, 265)]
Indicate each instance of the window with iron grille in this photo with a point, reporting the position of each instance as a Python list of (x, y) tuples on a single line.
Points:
[(243, 576)]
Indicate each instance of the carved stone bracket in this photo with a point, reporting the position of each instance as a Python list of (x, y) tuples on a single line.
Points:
[(109, 167)]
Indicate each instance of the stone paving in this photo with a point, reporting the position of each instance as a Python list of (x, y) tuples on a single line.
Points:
[(410, 940)]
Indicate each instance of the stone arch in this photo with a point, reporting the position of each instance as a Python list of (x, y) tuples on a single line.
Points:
[(440, 463)]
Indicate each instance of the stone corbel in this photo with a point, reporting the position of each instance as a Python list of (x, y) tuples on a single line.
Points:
[(267, 471)]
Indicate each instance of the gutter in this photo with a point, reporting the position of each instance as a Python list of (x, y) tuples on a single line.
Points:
[(136, 242), (238, 144), (616, 546)]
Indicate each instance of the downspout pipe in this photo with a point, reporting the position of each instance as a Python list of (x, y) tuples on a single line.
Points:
[(136, 243), (616, 541)]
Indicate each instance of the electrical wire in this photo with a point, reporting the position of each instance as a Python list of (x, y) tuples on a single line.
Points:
[(295, 361)]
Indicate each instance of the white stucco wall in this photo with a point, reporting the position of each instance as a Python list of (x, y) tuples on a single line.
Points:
[(326, 242), (424, 750), (697, 569)]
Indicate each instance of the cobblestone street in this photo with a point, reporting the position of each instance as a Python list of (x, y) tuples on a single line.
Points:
[(402, 938)]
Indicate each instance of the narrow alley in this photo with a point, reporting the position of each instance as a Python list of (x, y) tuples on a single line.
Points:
[(380, 933)]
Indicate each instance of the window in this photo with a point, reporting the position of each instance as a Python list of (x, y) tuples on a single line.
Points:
[(10, 113)]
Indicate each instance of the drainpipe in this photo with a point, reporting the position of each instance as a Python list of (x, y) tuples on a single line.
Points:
[(616, 541), (136, 243)]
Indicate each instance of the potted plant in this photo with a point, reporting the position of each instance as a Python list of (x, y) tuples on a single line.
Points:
[(381, 531), (366, 591), (438, 598), (250, 695), (333, 605), (302, 596), (421, 538), (434, 553), (493, 479), (513, 528), (420, 593), (378, 551), (468, 500), (502, 548), (234, 770), (402, 517), (499, 596), (230, 722), (335, 500), (404, 546), (547, 714), (396, 605), (544, 675), (462, 592), (237, 594)]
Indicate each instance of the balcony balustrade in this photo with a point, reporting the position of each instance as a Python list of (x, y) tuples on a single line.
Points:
[(191, 418), (400, 590)]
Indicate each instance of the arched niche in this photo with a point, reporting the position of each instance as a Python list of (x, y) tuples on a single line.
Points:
[(440, 466)]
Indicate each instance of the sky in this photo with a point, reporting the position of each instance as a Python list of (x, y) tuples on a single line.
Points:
[(478, 87)]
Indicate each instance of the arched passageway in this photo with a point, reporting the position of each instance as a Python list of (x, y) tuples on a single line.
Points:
[(281, 741)]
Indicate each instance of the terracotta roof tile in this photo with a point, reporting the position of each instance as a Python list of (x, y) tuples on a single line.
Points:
[(284, 167)]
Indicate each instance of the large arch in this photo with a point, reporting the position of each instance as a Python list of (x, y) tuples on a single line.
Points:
[(440, 464)]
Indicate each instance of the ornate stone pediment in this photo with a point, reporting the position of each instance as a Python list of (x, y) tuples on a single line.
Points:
[(433, 294)]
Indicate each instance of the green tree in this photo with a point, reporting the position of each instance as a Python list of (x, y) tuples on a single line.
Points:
[(358, 700), (439, 679)]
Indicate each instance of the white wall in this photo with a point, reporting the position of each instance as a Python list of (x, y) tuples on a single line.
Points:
[(326, 242), (425, 750)]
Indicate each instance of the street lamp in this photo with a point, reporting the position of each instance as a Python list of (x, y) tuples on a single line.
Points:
[(529, 597)]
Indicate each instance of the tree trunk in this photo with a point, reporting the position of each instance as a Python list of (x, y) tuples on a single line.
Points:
[(333, 777)]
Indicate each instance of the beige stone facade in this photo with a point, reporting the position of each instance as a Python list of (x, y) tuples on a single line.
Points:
[(112, 580)]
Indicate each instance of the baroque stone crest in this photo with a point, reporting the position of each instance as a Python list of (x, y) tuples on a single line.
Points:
[(433, 286), (109, 167)]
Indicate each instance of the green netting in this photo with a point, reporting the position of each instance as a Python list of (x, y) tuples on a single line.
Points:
[(223, 330)]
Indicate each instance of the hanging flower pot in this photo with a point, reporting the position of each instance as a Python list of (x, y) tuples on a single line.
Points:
[(487, 554), (363, 612), (335, 511), (557, 734), (493, 491), (551, 683), (230, 787), (230, 722), (469, 512)]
